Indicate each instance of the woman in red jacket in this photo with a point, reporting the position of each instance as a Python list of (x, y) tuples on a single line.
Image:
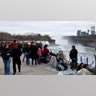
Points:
[(46, 53)]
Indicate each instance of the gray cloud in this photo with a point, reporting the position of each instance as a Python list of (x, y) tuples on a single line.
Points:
[(56, 29)]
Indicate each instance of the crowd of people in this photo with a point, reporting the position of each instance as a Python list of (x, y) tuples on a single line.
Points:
[(60, 62), (34, 51), (38, 54)]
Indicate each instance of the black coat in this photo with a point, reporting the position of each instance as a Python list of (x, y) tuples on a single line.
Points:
[(16, 52), (6, 53), (73, 53), (33, 53)]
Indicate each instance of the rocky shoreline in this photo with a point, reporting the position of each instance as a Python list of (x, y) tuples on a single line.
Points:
[(5, 36)]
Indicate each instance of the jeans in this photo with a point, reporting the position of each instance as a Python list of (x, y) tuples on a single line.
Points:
[(6, 67), (39, 59), (27, 58), (63, 64), (74, 62), (45, 58)]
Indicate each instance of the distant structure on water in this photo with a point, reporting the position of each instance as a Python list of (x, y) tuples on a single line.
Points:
[(82, 33), (87, 33), (92, 30)]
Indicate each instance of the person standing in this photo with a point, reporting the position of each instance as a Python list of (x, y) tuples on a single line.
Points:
[(73, 56), (39, 53), (16, 53), (6, 53), (46, 53), (27, 53), (33, 53), (12, 45)]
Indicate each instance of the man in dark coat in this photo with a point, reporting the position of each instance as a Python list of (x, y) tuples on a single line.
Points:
[(33, 53), (73, 56), (16, 53)]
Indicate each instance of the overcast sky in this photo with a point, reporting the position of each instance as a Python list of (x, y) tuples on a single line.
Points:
[(52, 28)]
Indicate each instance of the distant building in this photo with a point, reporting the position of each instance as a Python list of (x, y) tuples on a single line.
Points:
[(92, 30), (83, 33), (88, 31), (87, 34), (78, 32)]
